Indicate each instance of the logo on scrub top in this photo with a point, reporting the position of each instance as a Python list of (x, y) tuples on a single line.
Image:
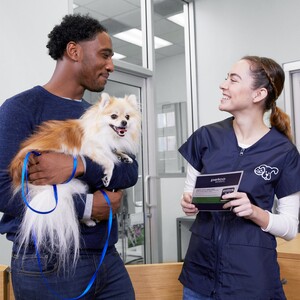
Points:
[(266, 171)]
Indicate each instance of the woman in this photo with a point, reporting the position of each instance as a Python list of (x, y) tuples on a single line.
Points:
[(232, 254)]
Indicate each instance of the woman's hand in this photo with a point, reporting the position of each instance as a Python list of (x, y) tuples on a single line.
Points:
[(187, 206), (239, 203), (242, 207)]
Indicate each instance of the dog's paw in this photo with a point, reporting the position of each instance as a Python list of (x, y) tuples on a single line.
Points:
[(105, 180), (127, 159)]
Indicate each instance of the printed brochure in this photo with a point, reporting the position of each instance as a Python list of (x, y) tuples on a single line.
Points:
[(210, 188)]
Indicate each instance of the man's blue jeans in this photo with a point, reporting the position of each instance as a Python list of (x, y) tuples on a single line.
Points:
[(112, 281), (188, 294)]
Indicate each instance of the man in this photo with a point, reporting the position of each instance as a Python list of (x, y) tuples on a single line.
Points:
[(83, 52)]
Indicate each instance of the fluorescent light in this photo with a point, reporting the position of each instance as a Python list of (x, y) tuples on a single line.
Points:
[(118, 56), (160, 43), (134, 36), (178, 19)]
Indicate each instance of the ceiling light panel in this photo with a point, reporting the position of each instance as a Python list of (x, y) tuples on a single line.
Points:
[(178, 19), (134, 36), (118, 56)]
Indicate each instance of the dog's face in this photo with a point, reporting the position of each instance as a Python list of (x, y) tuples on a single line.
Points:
[(121, 114)]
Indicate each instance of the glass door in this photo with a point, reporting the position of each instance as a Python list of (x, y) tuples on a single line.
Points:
[(292, 99), (131, 219)]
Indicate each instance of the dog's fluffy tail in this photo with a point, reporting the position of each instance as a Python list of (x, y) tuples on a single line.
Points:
[(58, 231)]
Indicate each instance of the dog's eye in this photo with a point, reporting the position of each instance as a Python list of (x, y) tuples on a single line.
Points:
[(114, 116), (127, 117)]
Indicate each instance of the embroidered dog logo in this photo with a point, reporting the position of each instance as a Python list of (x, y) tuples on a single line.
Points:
[(266, 171)]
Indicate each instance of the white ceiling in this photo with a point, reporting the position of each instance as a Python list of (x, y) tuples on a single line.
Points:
[(120, 15)]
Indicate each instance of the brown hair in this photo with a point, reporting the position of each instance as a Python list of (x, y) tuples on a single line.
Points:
[(268, 74)]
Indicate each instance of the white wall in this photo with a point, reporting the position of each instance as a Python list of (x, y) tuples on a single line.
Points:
[(24, 26), (226, 30)]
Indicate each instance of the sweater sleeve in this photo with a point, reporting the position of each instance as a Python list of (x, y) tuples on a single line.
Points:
[(15, 125), (190, 181), (284, 223), (124, 175)]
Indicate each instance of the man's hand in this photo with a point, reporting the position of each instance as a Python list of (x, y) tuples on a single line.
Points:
[(52, 168), (100, 210)]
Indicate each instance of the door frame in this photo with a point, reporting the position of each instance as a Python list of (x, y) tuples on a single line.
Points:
[(289, 69), (142, 78)]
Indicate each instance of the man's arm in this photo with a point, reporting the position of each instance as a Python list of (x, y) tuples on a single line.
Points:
[(15, 126), (55, 168)]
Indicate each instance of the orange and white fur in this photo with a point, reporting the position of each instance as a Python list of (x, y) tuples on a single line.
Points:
[(105, 133)]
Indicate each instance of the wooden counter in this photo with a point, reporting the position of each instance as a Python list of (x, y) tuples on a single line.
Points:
[(156, 281), (289, 262), (6, 292)]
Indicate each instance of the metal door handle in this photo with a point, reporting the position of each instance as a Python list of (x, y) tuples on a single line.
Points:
[(147, 182), (136, 203)]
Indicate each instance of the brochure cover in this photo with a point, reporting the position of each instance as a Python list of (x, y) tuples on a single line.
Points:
[(210, 188)]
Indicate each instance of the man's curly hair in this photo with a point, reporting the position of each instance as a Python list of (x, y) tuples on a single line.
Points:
[(74, 27)]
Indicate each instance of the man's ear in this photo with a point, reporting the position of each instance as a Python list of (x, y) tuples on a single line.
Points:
[(259, 95), (73, 50)]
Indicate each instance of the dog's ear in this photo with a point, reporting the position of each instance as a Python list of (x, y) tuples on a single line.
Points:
[(104, 100), (132, 100)]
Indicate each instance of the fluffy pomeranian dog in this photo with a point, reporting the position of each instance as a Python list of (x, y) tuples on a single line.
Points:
[(105, 133)]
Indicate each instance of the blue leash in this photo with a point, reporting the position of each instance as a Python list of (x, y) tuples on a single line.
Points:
[(25, 194), (24, 183)]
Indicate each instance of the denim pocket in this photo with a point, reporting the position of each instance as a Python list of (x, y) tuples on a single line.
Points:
[(29, 264)]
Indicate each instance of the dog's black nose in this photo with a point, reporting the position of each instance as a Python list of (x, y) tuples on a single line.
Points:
[(124, 123)]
